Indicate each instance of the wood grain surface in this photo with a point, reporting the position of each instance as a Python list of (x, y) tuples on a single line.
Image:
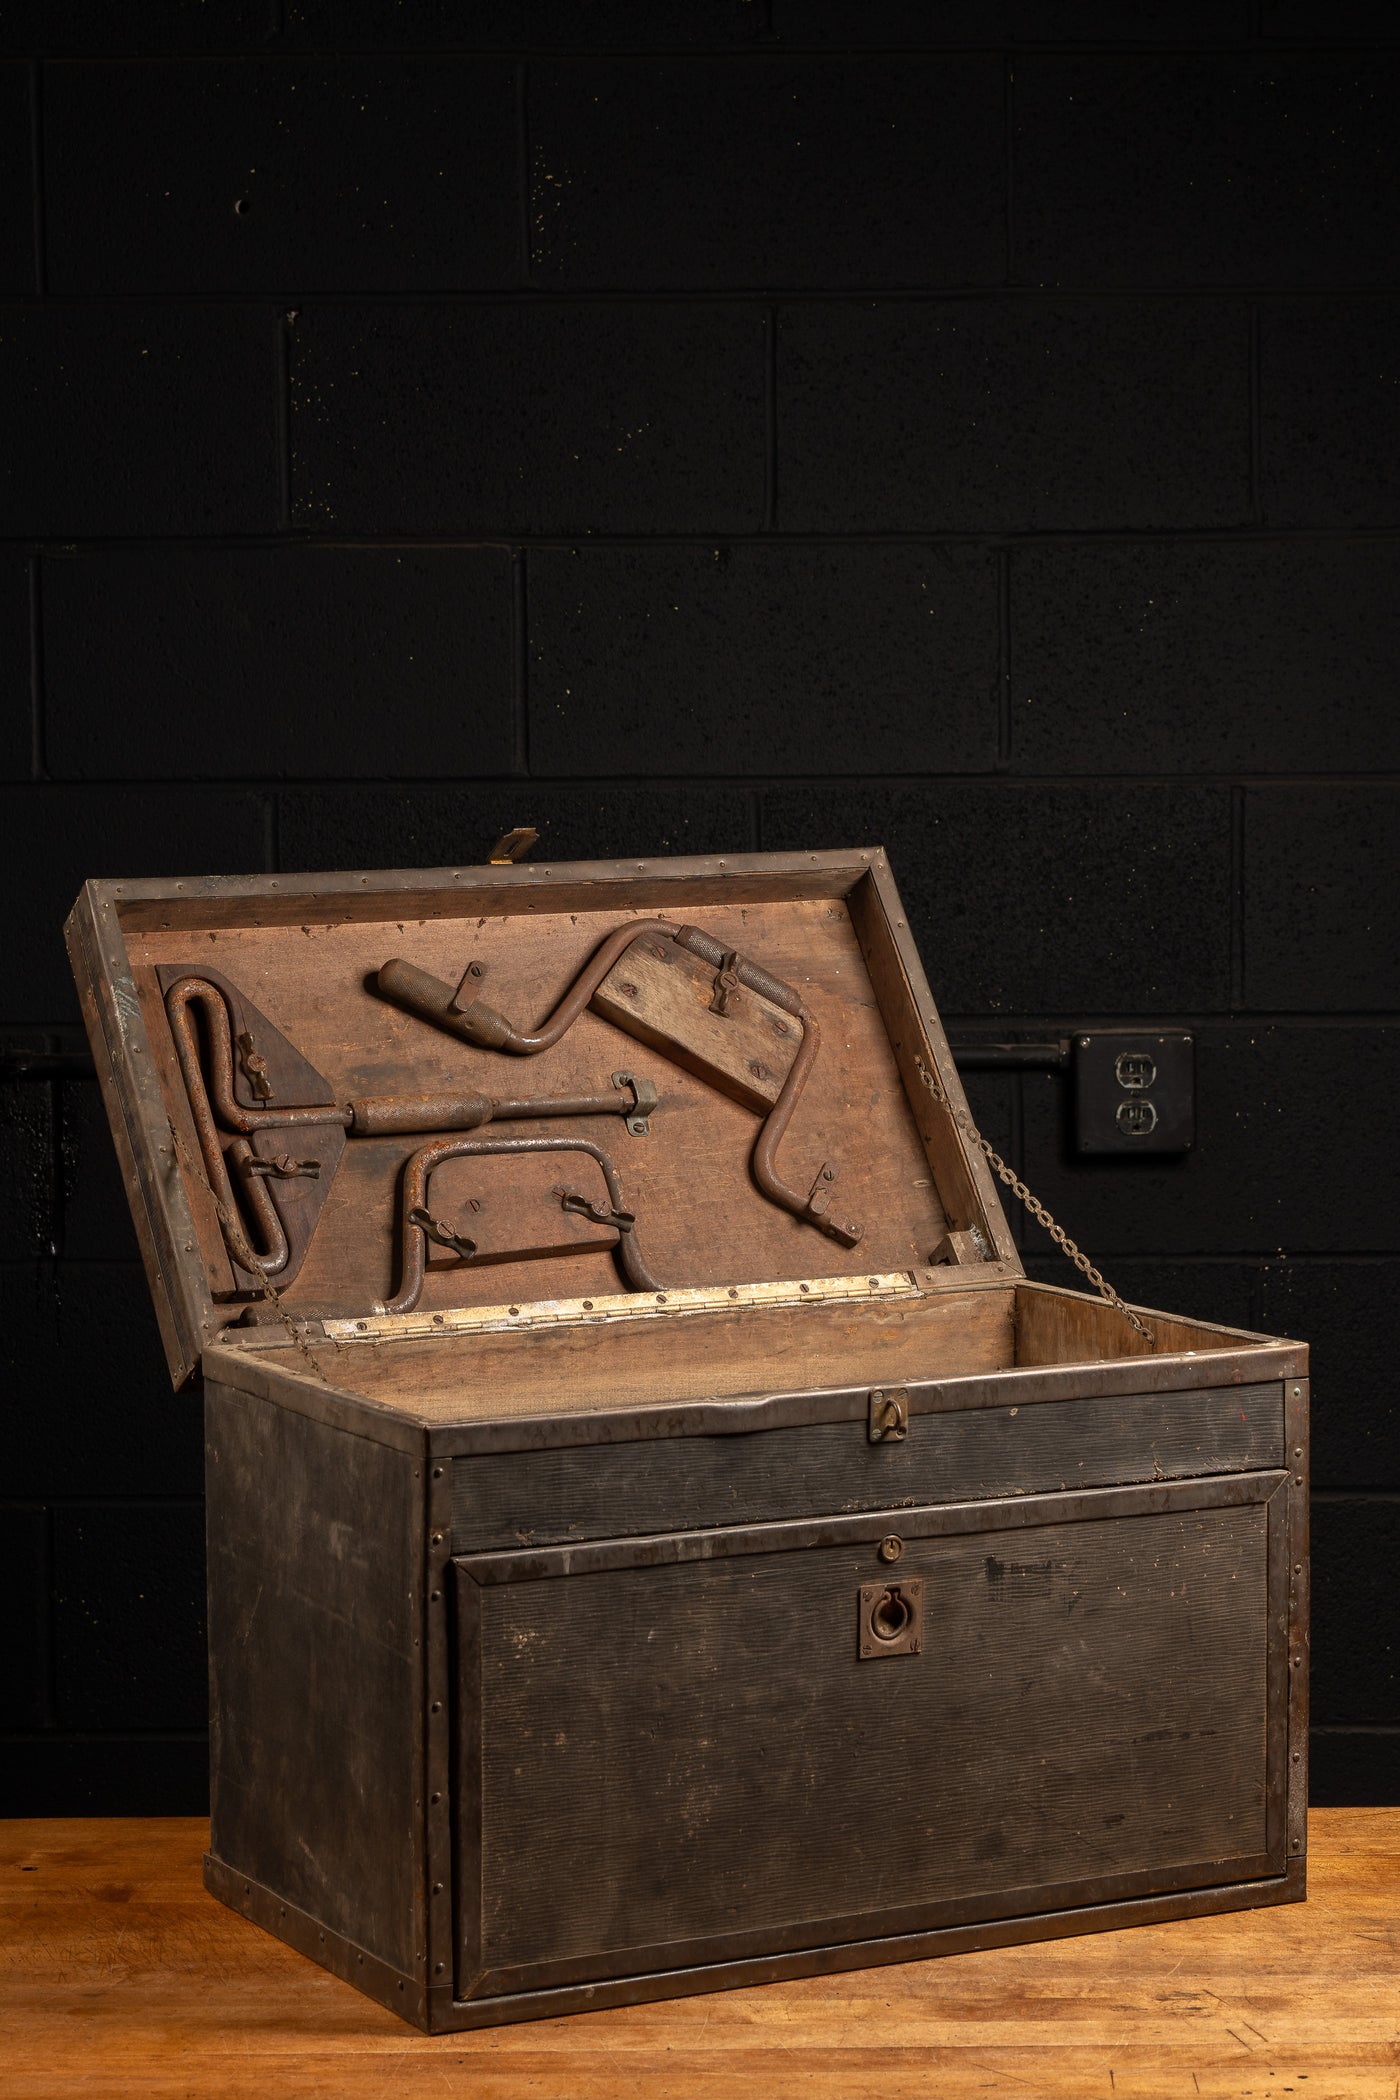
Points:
[(121, 1976)]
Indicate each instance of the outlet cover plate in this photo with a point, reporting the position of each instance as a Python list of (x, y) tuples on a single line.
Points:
[(1134, 1092)]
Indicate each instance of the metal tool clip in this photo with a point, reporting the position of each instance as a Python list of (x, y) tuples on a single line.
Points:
[(644, 1101), (254, 1067), (726, 981), (442, 1234), (601, 1213), (284, 1168), (818, 1207)]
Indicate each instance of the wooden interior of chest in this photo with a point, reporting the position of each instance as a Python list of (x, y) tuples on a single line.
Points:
[(761, 1298), (584, 1367)]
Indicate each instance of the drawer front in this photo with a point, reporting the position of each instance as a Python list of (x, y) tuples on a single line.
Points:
[(519, 1498), (679, 1751)]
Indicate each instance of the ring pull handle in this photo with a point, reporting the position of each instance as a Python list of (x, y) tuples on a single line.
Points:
[(891, 1618)]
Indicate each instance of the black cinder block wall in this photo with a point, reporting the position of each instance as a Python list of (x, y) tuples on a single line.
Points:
[(694, 425)]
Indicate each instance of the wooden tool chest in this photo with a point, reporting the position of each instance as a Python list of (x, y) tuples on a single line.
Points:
[(658, 1539)]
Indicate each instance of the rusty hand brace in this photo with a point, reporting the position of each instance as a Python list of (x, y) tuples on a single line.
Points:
[(812, 1208), (475, 1022), (419, 1225)]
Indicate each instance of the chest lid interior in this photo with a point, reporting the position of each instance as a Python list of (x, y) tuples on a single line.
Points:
[(423, 1100)]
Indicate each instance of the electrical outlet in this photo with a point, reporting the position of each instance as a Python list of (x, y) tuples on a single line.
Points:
[(1135, 1091)]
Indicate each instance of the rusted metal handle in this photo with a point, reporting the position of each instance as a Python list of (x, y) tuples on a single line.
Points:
[(813, 1209), (418, 992), (402, 1115), (419, 1166), (187, 992), (267, 1243)]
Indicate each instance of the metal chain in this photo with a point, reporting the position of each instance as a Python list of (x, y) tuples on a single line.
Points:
[(241, 1251), (1033, 1205)]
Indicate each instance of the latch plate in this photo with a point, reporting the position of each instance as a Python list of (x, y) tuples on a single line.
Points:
[(889, 1414)]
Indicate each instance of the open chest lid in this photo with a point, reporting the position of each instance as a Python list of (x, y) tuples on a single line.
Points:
[(435, 1101)]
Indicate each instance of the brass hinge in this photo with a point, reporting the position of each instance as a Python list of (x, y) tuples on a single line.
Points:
[(630, 1305)]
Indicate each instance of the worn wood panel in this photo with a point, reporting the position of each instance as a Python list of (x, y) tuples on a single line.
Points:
[(758, 1349), (161, 1205), (1056, 1326), (509, 1498), (968, 1193), (1090, 1703), (119, 1975), (700, 1217), (664, 995), (343, 896), (315, 1628)]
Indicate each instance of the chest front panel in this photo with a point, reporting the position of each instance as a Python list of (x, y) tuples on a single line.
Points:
[(686, 1749)]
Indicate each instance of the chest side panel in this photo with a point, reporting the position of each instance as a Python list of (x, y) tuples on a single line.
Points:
[(315, 1625), (517, 1498), (685, 1762)]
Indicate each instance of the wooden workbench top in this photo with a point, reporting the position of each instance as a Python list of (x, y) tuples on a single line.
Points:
[(119, 1975)]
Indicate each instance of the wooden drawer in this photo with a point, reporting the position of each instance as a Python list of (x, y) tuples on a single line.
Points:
[(673, 1752), (503, 1499)]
